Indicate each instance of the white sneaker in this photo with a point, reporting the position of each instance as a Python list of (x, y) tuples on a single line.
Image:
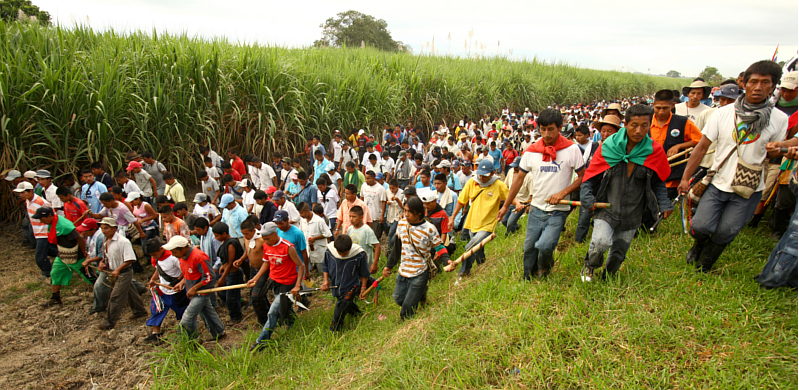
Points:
[(458, 280), (586, 274)]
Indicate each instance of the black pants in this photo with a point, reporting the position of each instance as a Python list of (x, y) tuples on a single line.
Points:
[(258, 297), (343, 308)]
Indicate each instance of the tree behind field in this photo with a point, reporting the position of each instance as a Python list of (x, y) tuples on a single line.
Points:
[(711, 76), (673, 74), (10, 11), (353, 29)]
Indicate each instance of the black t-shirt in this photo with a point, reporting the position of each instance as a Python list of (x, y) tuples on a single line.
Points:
[(393, 151), (70, 240), (267, 213), (223, 250)]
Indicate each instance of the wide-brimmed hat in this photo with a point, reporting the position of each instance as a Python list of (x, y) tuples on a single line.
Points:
[(612, 120), (697, 84), (614, 106)]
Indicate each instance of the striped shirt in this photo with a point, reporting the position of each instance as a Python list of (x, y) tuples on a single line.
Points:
[(39, 229), (425, 238)]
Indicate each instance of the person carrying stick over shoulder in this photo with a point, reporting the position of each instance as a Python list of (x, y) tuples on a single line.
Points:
[(629, 171), (347, 265), (167, 273), (420, 245)]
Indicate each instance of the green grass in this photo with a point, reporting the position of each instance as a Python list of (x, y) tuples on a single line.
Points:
[(657, 325)]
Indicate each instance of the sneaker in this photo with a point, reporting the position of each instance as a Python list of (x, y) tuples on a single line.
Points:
[(257, 347), (154, 338), (587, 274), (458, 280), (52, 302)]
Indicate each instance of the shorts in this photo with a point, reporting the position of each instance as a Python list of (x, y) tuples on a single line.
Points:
[(61, 273), (177, 302)]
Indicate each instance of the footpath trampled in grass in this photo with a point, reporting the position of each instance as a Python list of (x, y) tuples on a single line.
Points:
[(656, 325)]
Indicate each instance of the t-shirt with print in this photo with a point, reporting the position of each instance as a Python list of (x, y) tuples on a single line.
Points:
[(74, 210), (208, 211), (365, 237), (171, 266), (314, 228), (722, 128), (281, 268), (551, 177), (691, 113), (210, 187), (485, 204), (176, 228), (329, 201), (374, 196), (91, 194), (143, 181)]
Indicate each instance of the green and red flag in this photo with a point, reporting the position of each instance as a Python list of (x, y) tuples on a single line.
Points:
[(614, 150)]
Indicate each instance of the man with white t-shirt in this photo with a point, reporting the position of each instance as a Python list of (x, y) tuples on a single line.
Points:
[(695, 92), (552, 161), (750, 123), (374, 194), (265, 174), (335, 147)]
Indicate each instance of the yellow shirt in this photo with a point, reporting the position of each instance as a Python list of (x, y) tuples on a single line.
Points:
[(485, 204)]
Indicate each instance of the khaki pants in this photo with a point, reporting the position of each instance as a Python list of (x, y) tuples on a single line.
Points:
[(124, 291)]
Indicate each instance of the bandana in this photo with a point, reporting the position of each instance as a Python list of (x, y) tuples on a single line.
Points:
[(549, 152), (614, 151), (756, 116)]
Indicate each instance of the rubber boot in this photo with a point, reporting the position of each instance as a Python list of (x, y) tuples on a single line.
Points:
[(755, 220), (710, 254), (696, 250)]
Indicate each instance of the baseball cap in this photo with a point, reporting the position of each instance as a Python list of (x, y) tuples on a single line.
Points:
[(515, 162), (378, 175), (456, 163), (43, 212), (176, 242), (133, 165), (200, 197), (280, 216), (444, 164), (23, 186), (13, 174), (226, 199), (87, 224), (730, 91), (29, 174), (245, 183), (427, 195), (360, 132), (485, 167), (43, 174), (271, 190), (108, 221), (402, 153), (268, 228), (286, 160), (789, 80), (134, 195), (278, 195)]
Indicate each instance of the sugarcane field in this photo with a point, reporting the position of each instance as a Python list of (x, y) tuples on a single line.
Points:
[(260, 195)]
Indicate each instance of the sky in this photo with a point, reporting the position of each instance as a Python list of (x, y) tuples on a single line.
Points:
[(623, 35)]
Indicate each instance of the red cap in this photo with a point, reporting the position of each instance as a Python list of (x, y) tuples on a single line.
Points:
[(132, 165), (271, 190), (87, 224)]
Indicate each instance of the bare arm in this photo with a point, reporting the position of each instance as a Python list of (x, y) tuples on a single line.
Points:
[(518, 179), (693, 162)]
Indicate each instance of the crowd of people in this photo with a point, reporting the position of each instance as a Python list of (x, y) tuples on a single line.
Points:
[(269, 226)]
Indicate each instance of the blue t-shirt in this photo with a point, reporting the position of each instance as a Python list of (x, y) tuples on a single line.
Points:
[(91, 194), (307, 195), (496, 154), (320, 168), (420, 185), (294, 235), (453, 182)]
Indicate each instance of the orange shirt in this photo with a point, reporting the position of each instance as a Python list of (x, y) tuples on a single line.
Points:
[(658, 134)]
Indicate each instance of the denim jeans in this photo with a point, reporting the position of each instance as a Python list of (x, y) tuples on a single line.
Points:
[(392, 237), (583, 224), (720, 216), (27, 231), (43, 254), (479, 255), (543, 233), (408, 292), (102, 291), (232, 298), (260, 302), (604, 238), (200, 306), (273, 316), (781, 268), (332, 223), (510, 220), (403, 183)]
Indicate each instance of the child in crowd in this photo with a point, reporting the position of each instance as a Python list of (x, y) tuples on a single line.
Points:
[(167, 273), (229, 251), (203, 208), (346, 264), (364, 236)]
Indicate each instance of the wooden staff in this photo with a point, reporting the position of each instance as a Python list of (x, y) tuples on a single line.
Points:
[(225, 288), (578, 204), (374, 285), (686, 160), (470, 252), (683, 153)]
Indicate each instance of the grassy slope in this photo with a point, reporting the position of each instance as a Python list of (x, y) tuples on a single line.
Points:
[(658, 325)]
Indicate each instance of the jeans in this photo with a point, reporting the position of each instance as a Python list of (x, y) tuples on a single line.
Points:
[(403, 183), (510, 220), (604, 238), (408, 292), (200, 306), (474, 239), (781, 269), (122, 292), (392, 237), (148, 235), (720, 216), (102, 291), (232, 298), (42, 252), (260, 303), (583, 224), (274, 315), (27, 231), (332, 223), (543, 233)]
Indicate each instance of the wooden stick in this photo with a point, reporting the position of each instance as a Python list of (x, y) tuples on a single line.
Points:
[(470, 252), (578, 204), (683, 153), (225, 288), (374, 285), (686, 160)]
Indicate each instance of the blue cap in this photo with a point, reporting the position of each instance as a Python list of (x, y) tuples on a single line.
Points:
[(280, 216), (378, 175), (729, 91), (485, 167), (226, 199), (516, 162)]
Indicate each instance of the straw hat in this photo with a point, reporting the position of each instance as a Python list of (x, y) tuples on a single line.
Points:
[(614, 106), (612, 120), (697, 84)]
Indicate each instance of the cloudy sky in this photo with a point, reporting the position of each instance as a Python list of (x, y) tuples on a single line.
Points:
[(684, 35)]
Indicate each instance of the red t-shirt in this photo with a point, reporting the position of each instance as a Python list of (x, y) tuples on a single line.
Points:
[(236, 175), (196, 268), (445, 220), (74, 210), (238, 165), (509, 155), (491, 133), (281, 268)]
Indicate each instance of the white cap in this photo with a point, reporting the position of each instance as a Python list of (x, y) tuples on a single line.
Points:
[(176, 242), (132, 196), (789, 80), (29, 174), (427, 195), (23, 186)]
